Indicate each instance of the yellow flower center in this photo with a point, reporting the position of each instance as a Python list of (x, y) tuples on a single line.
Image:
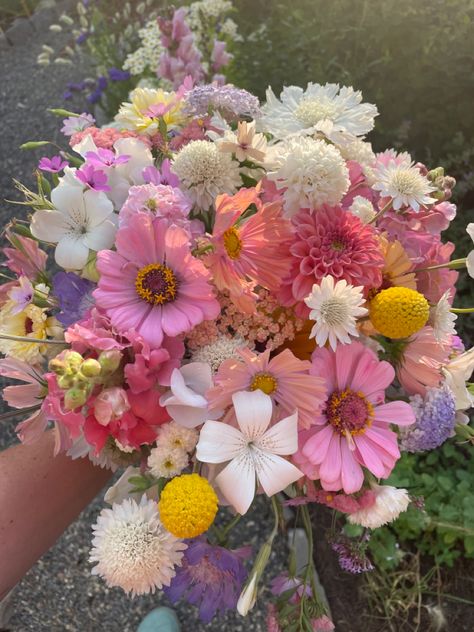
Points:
[(265, 382), (188, 506), (156, 284), (232, 242), (349, 412), (398, 312)]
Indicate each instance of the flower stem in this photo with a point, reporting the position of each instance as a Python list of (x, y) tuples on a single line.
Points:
[(381, 212), (41, 341), (463, 310), (455, 264)]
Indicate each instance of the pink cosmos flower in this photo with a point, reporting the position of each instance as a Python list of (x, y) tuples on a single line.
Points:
[(25, 257), (255, 250), (421, 361), (353, 430), (285, 378), (153, 284), (153, 366), (331, 242)]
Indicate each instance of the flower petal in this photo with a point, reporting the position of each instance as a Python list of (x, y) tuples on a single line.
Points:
[(219, 442), (274, 472), (282, 438), (237, 481), (400, 413), (71, 253), (253, 411)]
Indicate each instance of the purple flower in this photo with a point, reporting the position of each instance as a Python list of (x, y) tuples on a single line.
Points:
[(80, 39), (102, 83), (226, 99), (351, 554), (54, 164), (74, 295), (115, 74), (74, 124), (435, 419), (94, 178), (21, 295), (210, 576), (151, 175), (105, 158)]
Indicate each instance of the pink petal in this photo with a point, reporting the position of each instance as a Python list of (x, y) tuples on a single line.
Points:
[(369, 455), (316, 447), (352, 475), (400, 413), (330, 469)]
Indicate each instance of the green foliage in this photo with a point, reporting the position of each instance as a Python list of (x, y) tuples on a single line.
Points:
[(445, 528)]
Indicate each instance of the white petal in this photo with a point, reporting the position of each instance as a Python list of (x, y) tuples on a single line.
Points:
[(48, 225), (198, 376), (183, 394), (274, 472), (219, 442), (67, 198), (237, 482), (101, 237), (282, 438), (187, 416), (71, 253), (253, 411), (98, 207)]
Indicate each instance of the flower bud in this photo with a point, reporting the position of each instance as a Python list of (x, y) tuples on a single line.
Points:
[(110, 360), (91, 368), (248, 597), (74, 397), (65, 382), (56, 365), (73, 361)]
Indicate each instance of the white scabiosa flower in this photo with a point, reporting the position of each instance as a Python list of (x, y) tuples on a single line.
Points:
[(403, 182), (132, 548), (389, 503), (335, 308), (205, 172), (216, 352), (442, 318), (308, 111), (362, 208), (312, 172), (165, 462)]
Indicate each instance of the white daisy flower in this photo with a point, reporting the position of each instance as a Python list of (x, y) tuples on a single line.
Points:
[(404, 183), (442, 318), (335, 308), (309, 111), (205, 172), (132, 548), (174, 436), (312, 172), (166, 463), (390, 502), (362, 208)]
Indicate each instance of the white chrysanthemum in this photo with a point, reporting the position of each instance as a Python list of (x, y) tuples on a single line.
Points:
[(312, 172), (404, 183), (308, 111), (132, 548), (205, 172), (362, 208), (174, 436), (216, 352), (442, 318), (335, 309), (390, 502), (166, 463)]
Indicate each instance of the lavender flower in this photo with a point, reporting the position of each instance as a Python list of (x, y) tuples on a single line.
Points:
[(93, 178), (74, 124), (231, 102), (210, 576), (115, 74), (351, 554), (435, 419), (54, 164), (74, 295)]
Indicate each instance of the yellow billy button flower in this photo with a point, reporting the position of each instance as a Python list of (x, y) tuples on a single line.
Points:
[(188, 506), (399, 312)]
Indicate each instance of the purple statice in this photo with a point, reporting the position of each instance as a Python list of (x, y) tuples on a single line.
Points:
[(74, 124), (351, 554), (74, 295), (210, 576), (435, 419), (115, 74), (106, 158), (95, 179), (54, 164), (230, 101)]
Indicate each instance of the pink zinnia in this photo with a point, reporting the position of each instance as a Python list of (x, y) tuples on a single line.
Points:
[(354, 429), (421, 361), (285, 378), (153, 284), (331, 242), (254, 252)]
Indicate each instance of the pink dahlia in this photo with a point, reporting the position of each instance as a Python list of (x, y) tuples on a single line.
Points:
[(353, 430), (331, 242), (249, 253), (421, 360), (285, 378), (153, 284)]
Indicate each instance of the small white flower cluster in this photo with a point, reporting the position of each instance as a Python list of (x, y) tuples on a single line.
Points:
[(171, 455), (221, 349), (147, 57), (201, 13)]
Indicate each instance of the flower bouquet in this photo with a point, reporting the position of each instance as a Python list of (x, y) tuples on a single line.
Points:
[(232, 300)]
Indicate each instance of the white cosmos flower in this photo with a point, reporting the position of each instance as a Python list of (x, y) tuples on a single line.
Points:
[(312, 172), (329, 109), (132, 548), (205, 172), (82, 220), (390, 502), (442, 318), (404, 183), (186, 402), (470, 256), (253, 450), (335, 309)]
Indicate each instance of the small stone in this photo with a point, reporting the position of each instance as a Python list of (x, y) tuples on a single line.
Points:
[(19, 32)]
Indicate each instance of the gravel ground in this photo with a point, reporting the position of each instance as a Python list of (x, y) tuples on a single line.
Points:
[(59, 593)]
